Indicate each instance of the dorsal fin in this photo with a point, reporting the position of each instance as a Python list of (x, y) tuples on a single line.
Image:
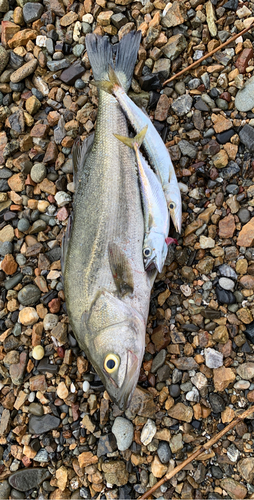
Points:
[(121, 270)]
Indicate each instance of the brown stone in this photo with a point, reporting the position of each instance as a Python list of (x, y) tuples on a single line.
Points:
[(22, 37), (174, 16), (9, 265), (142, 403), (51, 153), (38, 383), (104, 17), (57, 7), (160, 337), (227, 415), (181, 412), (47, 186), (243, 60), (115, 471), (227, 227), (246, 469), (222, 378), (23, 72), (162, 108), (17, 182), (221, 334), (40, 130), (221, 123), (157, 468), (9, 29), (62, 477), (247, 281), (245, 315), (220, 160), (235, 489), (87, 458), (68, 18), (246, 235), (17, 370)]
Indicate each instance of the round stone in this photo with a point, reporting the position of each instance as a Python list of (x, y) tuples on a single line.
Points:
[(38, 172), (174, 390), (5, 248), (50, 321), (23, 225), (244, 215), (28, 316), (86, 386), (226, 284), (38, 352), (164, 452), (29, 295), (123, 431)]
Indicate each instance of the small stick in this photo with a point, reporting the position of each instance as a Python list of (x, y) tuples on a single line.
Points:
[(209, 54), (198, 452)]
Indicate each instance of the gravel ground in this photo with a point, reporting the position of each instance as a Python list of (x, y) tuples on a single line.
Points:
[(60, 435)]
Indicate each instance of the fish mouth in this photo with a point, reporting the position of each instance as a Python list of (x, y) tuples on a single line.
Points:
[(131, 376), (177, 222)]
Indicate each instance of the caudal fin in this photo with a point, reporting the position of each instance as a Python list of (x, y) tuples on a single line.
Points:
[(132, 141), (100, 53), (107, 72)]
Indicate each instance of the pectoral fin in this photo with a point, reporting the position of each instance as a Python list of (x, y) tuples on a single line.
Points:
[(121, 270), (134, 141), (80, 152), (65, 243)]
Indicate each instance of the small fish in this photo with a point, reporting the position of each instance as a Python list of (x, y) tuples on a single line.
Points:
[(154, 207), (106, 287), (153, 144)]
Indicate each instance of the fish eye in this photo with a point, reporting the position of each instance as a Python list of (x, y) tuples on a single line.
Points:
[(172, 205), (111, 363), (147, 252)]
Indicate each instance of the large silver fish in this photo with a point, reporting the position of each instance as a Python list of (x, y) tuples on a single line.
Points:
[(106, 287), (155, 209), (157, 152)]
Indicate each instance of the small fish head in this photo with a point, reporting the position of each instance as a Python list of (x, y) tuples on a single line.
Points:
[(175, 206), (116, 354), (154, 250)]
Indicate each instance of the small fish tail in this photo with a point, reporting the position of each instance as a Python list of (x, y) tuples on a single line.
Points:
[(133, 141)]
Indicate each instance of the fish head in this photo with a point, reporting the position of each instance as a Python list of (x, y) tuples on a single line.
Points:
[(154, 250), (116, 350), (174, 205)]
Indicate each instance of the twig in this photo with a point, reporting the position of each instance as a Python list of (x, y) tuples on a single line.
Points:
[(198, 452), (234, 37)]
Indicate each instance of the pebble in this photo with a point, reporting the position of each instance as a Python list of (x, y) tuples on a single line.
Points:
[(182, 105), (29, 295), (213, 358), (244, 100), (123, 432), (38, 352), (43, 424), (32, 11), (26, 479), (148, 432), (226, 284)]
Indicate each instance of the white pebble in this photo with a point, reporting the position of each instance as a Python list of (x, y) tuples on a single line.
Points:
[(123, 431), (76, 31), (86, 386), (41, 41), (62, 198), (148, 432), (213, 358), (87, 18), (38, 352)]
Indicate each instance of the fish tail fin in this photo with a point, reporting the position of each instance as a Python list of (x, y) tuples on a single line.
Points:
[(100, 53), (126, 56), (133, 141)]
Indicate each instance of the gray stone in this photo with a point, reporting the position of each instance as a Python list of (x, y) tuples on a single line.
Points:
[(6, 248), (4, 490), (229, 171), (226, 284), (123, 432), (5, 173), (159, 360), (119, 20), (244, 215), (38, 172), (182, 105), (187, 149), (42, 456), (36, 409), (26, 479), (164, 452), (32, 11), (227, 271), (46, 423), (4, 58), (57, 65), (194, 83), (78, 49), (247, 137), (213, 358), (175, 45), (244, 100), (23, 225)]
